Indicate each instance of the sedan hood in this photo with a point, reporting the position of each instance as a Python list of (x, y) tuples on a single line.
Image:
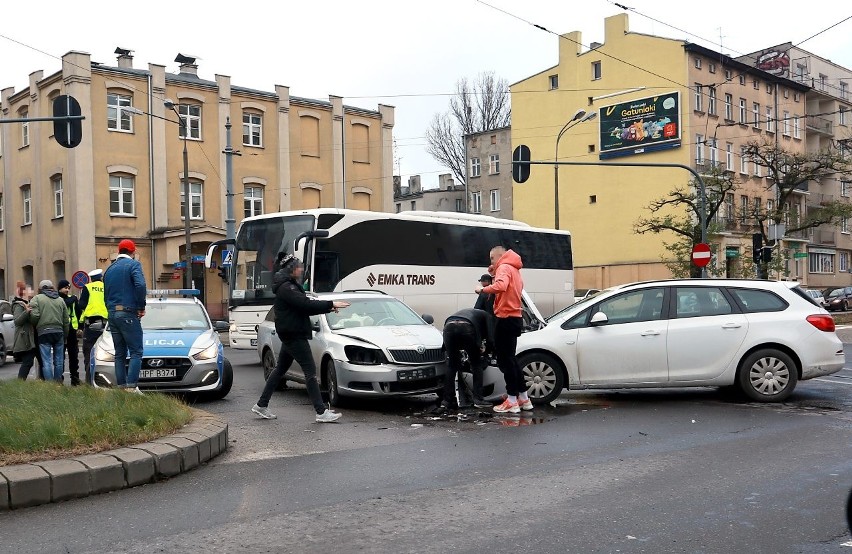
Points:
[(395, 336)]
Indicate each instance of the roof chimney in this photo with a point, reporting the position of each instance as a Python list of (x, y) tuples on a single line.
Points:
[(125, 57), (187, 64)]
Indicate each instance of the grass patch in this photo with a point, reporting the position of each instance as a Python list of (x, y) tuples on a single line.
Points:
[(43, 421)]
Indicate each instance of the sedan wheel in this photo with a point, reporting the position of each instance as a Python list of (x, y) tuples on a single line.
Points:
[(331, 385), (544, 377), (269, 362), (2, 351), (768, 376)]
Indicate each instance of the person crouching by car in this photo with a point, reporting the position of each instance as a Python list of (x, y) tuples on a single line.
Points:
[(49, 315), (469, 330), (293, 327), (24, 347)]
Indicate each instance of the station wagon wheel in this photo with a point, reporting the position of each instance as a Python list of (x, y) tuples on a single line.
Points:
[(269, 362), (768, 376), (330, 380), (543, 376)]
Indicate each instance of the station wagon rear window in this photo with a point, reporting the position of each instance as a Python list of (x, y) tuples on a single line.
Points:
[(753, 300)]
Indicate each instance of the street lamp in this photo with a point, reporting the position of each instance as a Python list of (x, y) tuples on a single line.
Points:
[(579, 117), (187, 275)]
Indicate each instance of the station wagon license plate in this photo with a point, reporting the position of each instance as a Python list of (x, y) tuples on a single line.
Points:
[(414, 374), (157, 373)]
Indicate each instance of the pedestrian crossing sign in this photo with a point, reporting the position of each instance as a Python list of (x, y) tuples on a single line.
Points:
[(227, 257)]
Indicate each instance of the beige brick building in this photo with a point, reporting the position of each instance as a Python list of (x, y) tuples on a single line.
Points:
[(63, 210)]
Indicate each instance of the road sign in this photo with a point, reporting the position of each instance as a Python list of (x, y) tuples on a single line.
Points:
[(701, 254), (80, 278), (521, 171), (800, 255), (227, 258)]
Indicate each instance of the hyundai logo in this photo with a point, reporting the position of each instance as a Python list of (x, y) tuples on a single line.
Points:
[(421, 349), (156, 362)]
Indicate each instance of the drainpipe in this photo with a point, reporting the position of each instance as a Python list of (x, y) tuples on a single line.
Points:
[(151, 186)]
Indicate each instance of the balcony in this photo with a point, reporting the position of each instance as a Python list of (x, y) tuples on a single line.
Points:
[(819, 199), (825, 237), (820, 125), (707, 167)]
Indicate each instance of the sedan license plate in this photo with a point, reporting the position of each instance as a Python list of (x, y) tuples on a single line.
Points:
[(254, 342), (157, 373), (414, 374)]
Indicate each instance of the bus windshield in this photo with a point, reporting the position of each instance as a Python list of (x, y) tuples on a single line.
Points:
[(257, 246)]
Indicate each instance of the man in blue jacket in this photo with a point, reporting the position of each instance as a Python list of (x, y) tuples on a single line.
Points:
[(124, 293)]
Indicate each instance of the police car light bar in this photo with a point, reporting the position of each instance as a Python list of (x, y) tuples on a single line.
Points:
[(174, 292)]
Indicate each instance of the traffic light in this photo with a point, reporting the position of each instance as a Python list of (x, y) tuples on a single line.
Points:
[(225, 273), (67, 132), (767, 254), (756, 247)]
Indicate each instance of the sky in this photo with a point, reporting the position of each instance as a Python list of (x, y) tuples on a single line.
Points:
[(405, 54)]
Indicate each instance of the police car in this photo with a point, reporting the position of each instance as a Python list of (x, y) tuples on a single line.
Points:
[(182, 351)]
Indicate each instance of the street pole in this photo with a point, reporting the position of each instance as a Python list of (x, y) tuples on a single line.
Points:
[(187, 276), (229, 183)]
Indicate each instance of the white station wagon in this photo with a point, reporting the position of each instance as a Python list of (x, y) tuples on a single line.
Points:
[(761, 336)]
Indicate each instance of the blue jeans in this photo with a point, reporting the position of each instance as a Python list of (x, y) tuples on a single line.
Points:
[(52, 348), (126, 329)]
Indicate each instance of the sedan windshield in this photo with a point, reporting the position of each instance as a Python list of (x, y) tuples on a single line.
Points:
[(174, 316), (373, 312)]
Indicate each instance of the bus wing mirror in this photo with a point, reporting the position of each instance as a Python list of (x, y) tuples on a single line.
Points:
[(308, 235)]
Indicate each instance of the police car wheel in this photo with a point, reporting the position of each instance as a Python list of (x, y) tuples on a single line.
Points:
[(227, 382), (269, 362)]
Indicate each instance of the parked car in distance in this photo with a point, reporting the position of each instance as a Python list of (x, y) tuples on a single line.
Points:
[(580, 294), (761, 336), (181, 348), (817, 296), (838, 299), (7, 330), (377, 347)]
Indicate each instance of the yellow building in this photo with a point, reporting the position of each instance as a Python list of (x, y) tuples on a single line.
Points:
[(688, 99), (64, 210)]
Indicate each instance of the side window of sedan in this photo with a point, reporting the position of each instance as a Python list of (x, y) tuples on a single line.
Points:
[(270, 315), (635, 306)]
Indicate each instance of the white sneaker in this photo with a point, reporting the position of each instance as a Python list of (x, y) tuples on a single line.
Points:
[(134, 390), (328, 416), (263, 412)]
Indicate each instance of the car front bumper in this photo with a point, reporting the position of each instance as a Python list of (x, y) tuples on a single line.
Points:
[(191, 376), (388, 379)]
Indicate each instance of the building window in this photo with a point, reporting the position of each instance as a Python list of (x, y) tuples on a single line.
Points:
[(252, 129), (801, 71), (844, 226), (121, 195), (494, 164), (711, 101), (796, 96), (756, 168), (475, 167), (742, 80), (755, 112), (843, 261), (714, 152), (195, 199), (25, 129), (744, 209), (743, 111), (191, 114), (743, 161), (770, 122), (493, 139), (786, 124), (459, 205), (697, 63), (118, 118), (495, 200), (554, 82), (820, 263), (844, 188), (476, 202), (596, 71), (843, 110), (2, 213), (56, 184), (756, 84), (413, 205), (728, 74), (252, 201), (844, 90), (729, 107), (796, 127), (699, 149), (711, 67), (729, 207), (27, 194), (823, 79), (729, 156), (699, 97), (398, 207)]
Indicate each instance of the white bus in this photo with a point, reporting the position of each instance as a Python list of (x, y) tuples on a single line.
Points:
[(432, 261)]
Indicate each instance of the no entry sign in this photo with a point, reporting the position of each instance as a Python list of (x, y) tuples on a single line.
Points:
[(701, 254)]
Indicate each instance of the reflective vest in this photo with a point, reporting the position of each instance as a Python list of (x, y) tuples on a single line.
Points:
[(72, 316), (96, 306)]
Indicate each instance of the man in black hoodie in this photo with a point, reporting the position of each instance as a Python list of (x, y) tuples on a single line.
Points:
[(293, 326), (71, 345)]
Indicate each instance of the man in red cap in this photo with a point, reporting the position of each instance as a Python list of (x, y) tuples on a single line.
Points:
[(124, 293)]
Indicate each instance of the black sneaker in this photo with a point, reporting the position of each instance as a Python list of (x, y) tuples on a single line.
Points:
[(481, 403)]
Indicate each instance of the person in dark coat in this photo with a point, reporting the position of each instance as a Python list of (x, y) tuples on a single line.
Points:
[(485, 301), (71, 345), (293, 326), (25, 345), (468, 332)]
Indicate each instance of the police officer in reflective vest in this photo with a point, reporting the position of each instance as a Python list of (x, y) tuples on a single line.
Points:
[(71, 345), (93, 313)]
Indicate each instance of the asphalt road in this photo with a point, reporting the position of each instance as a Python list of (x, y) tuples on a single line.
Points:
[(640, 471)]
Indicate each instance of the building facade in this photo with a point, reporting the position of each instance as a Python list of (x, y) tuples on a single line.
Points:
[(64, 210), (448, 197), (489, 172), (658, 101)]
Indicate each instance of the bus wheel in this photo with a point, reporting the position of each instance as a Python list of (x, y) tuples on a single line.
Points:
[(544, 377), (269, 362)]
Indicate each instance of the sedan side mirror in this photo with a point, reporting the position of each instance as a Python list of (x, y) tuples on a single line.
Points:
[(315, 326), (220, 325), (599, 319), (428, 319)]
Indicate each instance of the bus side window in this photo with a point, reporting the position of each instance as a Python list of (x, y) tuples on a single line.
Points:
[(326, 271)]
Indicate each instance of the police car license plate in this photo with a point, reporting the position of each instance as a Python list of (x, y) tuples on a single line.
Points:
[(157, 373), (413, 374)]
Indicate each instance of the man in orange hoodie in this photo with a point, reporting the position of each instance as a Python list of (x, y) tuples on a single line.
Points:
[(507, 286)]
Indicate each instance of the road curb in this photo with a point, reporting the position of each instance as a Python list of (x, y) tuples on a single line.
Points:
[(36, 483)]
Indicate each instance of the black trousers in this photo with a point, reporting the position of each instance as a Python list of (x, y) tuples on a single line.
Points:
[(460, 336), (72, 347), (28, 359), (91, 334), (506, 334), (300, 351)]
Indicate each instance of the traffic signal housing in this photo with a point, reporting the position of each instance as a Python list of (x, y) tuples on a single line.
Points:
[(225, 273), (757, 247)]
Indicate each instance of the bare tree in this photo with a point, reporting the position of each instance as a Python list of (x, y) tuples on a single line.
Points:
[(476, 107)]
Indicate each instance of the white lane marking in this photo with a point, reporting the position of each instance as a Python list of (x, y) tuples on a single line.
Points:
[(833, 381)]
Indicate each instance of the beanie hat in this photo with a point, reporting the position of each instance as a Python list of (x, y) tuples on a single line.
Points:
[(46, 284), (128, 245), (95, 273), (63, 283), (287, 262)]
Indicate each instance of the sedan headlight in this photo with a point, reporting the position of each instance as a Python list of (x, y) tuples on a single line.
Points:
[(209, 353), (104, 355), (364, 356)]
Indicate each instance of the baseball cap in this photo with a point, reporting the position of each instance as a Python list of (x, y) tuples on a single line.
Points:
[(96, 273), (486, 277), (63, 283), (128, 245), (46, 284)]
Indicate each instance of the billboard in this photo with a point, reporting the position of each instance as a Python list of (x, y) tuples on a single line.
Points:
[(640, 126)]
